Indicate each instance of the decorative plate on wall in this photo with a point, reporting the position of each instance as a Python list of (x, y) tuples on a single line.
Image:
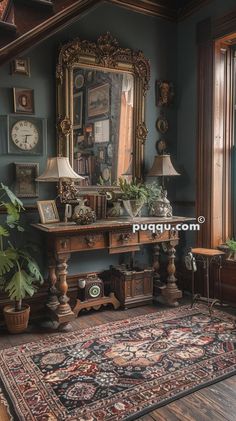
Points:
[(106, 174), (79, 81), (162, 125)]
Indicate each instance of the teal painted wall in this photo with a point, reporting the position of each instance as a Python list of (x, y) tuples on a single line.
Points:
[(158, 40)]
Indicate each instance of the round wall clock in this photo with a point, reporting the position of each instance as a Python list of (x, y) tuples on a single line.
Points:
[(162, 125), (25, 135)]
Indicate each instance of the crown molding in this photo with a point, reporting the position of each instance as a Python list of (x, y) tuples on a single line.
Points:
[(191, 7), (162, 9)]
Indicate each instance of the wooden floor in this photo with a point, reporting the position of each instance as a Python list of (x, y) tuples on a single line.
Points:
[(213, 403)]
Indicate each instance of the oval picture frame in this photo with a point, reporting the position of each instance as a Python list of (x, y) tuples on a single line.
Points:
[(162, 125)]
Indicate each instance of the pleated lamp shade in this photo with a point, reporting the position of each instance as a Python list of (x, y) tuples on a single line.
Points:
[(58, 168), (162, 166)]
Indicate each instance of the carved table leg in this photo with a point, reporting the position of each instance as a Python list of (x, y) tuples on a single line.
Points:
[(63, 311), (53, 302), (156, 262), (156, 275), (171, 293)]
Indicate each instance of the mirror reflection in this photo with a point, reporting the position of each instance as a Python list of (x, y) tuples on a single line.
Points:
[(102, 122)]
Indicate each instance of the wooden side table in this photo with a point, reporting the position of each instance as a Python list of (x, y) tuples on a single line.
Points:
[(207, 256)]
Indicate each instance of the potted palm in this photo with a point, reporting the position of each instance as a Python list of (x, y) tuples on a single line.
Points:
[(19, 272), (134, 195)]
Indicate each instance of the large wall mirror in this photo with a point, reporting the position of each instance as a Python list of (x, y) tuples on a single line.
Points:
[(101, 111)]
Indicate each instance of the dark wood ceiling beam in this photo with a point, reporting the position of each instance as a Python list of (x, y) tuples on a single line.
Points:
[(37, 3), (191, 7), (7, 26), (147, 7), (64, 12), (45, 29)]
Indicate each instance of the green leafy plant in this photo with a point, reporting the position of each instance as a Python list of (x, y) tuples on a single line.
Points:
[(154, 192), (19, 272), (132, 190), (231, 244)]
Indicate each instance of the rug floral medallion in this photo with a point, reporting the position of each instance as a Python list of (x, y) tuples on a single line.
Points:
[(118, 371)]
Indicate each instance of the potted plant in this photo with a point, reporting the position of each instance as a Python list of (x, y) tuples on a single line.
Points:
[(231, 244), (19, 272), (134, 195)]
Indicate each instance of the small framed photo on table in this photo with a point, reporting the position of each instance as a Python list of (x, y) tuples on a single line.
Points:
[(48, 211), (26, 173), (23, 100)]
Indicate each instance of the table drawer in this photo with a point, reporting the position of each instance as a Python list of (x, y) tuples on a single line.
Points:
[(62, 244), (150, 237), (88, 241), (123, 238), (81, 242)]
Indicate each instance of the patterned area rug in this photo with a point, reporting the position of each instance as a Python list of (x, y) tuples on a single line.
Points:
[(118, 371)]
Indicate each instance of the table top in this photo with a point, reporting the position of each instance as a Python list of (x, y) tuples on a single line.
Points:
[(207, 252), (109, 223)]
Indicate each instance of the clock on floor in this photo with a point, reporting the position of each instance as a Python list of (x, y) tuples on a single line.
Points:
[(90, 287)]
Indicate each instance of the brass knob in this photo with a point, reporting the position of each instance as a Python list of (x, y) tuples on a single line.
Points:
[(64, 244), (124, 237), (90, 241)]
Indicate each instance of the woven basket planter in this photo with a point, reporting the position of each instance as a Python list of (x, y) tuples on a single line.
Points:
[(16, 321)]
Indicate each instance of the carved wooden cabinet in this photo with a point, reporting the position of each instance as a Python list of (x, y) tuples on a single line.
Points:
[(132, 287)]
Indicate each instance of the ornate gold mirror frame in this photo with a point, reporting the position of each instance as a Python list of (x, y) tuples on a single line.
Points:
[(105, 54)]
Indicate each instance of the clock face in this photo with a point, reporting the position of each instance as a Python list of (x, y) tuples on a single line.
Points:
[(25, 135), (94, 291)]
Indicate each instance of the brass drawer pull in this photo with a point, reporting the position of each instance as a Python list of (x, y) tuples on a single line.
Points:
[(64, 244), (90, 241), (124, 238)]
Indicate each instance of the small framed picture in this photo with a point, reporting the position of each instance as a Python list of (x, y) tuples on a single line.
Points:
[(77, 110), (48, 211), (25, 184), (164, 93), (20, 66), (98, 101), (23, 100)]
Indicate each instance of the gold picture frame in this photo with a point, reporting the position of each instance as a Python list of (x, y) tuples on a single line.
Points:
[(48, 211), (20, 66), (25, 175), (23, 100), (98, 101)]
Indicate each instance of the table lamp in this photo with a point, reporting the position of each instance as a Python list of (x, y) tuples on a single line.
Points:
[(163, 167), (58, 169)]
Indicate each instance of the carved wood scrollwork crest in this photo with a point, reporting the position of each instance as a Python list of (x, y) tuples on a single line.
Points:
[(142, 132), (107, 53)]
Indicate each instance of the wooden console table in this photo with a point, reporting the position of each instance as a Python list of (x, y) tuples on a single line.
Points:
[(116, 236)]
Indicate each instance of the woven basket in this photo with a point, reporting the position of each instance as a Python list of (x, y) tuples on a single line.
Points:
[(16, 321)]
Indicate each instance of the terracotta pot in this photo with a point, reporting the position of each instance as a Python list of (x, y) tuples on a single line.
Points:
[(16, 321)]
